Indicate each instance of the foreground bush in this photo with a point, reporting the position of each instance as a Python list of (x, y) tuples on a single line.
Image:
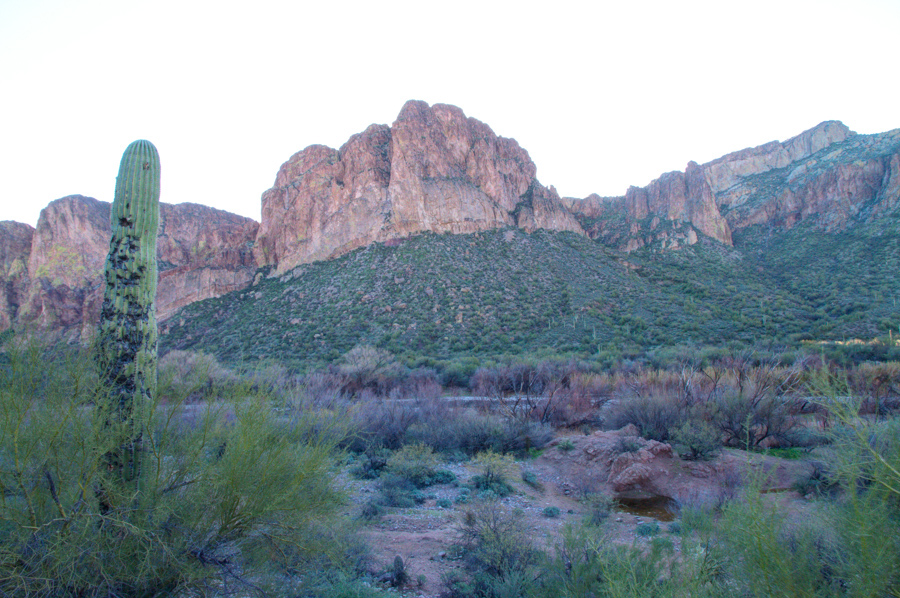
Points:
[(228, 488)]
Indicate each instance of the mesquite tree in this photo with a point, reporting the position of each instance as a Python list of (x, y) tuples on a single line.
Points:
[(127, 339)]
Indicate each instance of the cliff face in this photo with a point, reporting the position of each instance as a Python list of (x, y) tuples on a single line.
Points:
[(53, 273), (15, 250), (828, 175), (203, 253), (434, 170), (857, 178)]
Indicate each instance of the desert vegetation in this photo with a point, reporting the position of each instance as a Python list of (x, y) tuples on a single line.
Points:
[(441, 302), (251, 478), (125, 475)]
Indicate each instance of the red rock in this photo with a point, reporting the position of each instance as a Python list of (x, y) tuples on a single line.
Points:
[(202, 252), (433, 170)]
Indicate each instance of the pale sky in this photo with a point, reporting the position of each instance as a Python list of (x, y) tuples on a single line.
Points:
[(603, 95)]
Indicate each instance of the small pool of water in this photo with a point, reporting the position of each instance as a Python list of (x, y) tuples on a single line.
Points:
[(661, 508)]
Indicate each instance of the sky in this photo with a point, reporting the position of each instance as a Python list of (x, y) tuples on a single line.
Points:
[(602, 94)]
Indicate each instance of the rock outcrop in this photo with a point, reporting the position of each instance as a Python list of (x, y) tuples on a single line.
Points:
[(623, 465), (857, 178), (53, 273), (203, 253), (729, 170), (828, 174), (433, 170), (15, 251)]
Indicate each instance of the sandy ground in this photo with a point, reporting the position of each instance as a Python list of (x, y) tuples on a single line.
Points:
[(423, 536)]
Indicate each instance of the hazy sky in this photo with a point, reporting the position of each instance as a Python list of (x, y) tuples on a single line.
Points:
[(603, 95)]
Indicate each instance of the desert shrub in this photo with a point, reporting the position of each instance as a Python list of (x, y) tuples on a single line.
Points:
[(499, 555), (413, 462), (494, 471), (336, 563), (749, 420), (647, 529), (371, 509), (443, 476), (417, 463), (875, 381), (566, 445), (600, 506), (321, 389), (849, 549), (370, 463), (629, 444), (550, 512), (397, 491), (470, 432), (451, 430), (699, 439), (329, 583), (380, 423), (866, 451), (421, 384), (819, 481), (226, 488), (196, 376), (530, 478), (444, 503), (585, 563), (369, 368), (804, 438), (654, 415)]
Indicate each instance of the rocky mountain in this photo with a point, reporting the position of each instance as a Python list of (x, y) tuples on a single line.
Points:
[(52, 274), (828, 174), (433, 170), (437, 170)]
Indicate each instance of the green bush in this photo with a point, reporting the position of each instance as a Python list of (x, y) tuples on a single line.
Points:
[(222, 481), (566, 445), (415, 463), (530, 478), (698, 439), (647, 529), (370, 463), (550, 512), (585, 563), (463, 496), (494, 471), (398, 491), (600, 506), (499, 554)]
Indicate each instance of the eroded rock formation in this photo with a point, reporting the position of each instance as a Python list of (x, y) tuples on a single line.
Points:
[(53, 273), (433, 170), (15, 250), (828, 174)]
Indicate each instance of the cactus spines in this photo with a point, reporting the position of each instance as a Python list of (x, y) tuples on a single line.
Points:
[(127, 338)]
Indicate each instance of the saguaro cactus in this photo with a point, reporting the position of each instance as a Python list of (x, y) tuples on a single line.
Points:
[(127, 338)]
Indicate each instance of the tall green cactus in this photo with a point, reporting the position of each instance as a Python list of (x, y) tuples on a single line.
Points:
[(127, 338)]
